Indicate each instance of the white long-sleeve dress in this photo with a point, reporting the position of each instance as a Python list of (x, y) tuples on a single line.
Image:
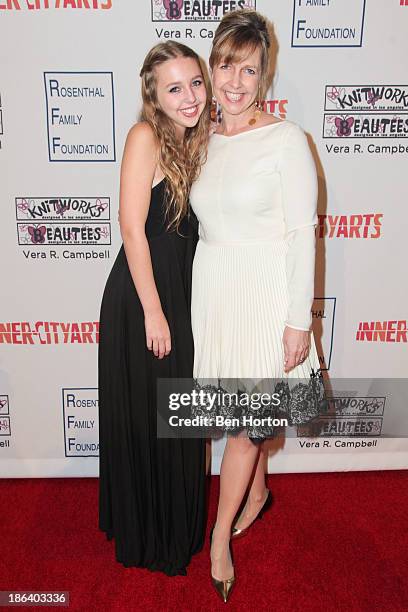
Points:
[(253, 271)]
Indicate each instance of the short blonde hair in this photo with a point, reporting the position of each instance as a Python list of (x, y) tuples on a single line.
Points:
[(238, 35)]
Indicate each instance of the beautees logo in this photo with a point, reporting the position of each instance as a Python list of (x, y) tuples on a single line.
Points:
[(196, 10), (80, 116), (328, 23), (62, 208), (382, 331), (80, 409), (49, 332), (4, 420), (36, 5), (60, 234), (366, 111), (367, 225)]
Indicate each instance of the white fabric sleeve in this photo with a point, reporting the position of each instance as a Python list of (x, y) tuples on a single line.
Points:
[(299, 200), (300, 272)]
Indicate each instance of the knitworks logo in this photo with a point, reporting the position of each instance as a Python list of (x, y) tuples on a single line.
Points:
[(366, 111), (196, 10), (382, 331), (364, 226), (38, 5), (49, 332), (62, 208)]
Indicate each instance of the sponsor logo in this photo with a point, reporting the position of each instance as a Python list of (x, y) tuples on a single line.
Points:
[(62, 208), (5, 430), (80, 116), (323, 316), (367, 225), (196, 10), (351, 416), (37, 5), (275, 107), (382, 331), (366, 111), (80, 410), (349, 427), (58, 233), (49, 332), (328, 23)]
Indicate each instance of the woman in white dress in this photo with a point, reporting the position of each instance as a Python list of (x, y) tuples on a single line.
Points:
[(253, 274)]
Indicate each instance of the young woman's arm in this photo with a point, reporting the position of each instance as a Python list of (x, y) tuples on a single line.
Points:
[(137, 172)]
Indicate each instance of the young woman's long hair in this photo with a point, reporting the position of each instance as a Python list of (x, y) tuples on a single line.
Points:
[(180, 162)]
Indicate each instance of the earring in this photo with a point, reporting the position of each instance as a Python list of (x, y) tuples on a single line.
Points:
[(258, 110), (215, 111)]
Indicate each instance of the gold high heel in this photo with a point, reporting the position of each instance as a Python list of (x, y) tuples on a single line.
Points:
[(240, 533), (223, 587)]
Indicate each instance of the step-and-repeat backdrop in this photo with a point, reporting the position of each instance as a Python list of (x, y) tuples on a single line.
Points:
[(69, 92)]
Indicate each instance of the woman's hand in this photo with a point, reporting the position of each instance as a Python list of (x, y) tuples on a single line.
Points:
[(157, 334), (296, 346)]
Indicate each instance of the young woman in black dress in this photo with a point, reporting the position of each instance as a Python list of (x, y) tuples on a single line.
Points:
[(152, 490)]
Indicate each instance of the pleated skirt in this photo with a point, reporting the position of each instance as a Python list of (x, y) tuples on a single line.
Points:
[(239, 308)]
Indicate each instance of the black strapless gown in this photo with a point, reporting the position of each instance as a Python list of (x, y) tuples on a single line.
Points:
[(151, 491)]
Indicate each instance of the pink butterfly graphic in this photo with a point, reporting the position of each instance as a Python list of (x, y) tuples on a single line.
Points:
[(37, 233), (343, 126)]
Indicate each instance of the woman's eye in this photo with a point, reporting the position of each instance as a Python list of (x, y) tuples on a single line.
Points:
[(197, 83), (250, 71), (224, 66), (174, 90)]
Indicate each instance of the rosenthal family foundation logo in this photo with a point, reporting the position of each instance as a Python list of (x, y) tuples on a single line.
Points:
[(366, 111), (382, 331), (80, 410), (365, 226), (37, 5), (49, 332), (49, 221), (5, 430), (196, 10), (80, 116), (328, 23)]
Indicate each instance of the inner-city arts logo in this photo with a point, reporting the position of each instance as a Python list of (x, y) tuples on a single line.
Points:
[(49, 332), (37, 5), (382, 331), (63, 220), (366, 225), (366, 111), (196, 10)]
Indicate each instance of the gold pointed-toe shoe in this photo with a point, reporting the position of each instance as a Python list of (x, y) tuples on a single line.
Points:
[(223, 587), (240, 533)]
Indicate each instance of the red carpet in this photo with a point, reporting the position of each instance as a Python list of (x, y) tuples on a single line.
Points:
[(330, 542)]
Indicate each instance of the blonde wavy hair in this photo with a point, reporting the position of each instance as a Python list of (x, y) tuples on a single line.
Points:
[(180, 162)]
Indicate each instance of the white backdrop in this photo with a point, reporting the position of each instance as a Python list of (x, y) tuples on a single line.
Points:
[(69, 92)]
